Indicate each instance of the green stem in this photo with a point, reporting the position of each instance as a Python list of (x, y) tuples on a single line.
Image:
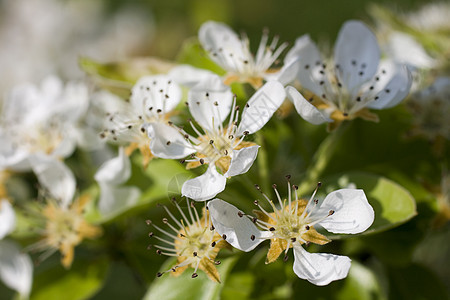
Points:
[(262, 161), (321, 159)]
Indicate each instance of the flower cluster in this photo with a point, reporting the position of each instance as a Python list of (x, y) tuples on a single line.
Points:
[(101, 151)]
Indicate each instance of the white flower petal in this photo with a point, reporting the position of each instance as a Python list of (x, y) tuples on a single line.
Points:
[(306, 51), (167, 142), (116, 170), (287, 74), (188, 75), (219, 39), (357, 53), (242, 160), (113, 199), (305, 109), (158, 92), (261, 107), (16, 268), (398, 87), (55, 176), (405, 49), (320, 268), (7, 218), (210, 102), (204, 187), (352, 212), (238, 230)]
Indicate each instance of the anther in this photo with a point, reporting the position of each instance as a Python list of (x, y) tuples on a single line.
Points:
[(194, 275), (319, 184), (151, 234), (295, 187), (252, 237), (286, 257), (288, 177), (224, 236), (182, 161), (256, 202), (246, 132), (202, 161), (272, 228), (274, 186), (307, 227), (331, 212), (211, 142), (194, 254), (165, 221), (293, 239), (316, 201), (257, 187), (158, 252), (212, 228), (254, 220), (217, 262), (168, 143), (213, 244), (240, 214), (159, 274)]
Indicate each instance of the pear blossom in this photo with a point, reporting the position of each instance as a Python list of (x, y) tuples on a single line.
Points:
[(40, 121), (233, 54), (350, 84), (110, 176), (221, 147), (192, 240), (65, 225), (16, 268), (153, 99), (293, 224)]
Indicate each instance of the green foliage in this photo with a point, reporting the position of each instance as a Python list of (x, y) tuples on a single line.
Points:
[(184, 287)]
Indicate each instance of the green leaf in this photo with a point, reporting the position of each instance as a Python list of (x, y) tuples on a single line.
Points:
[(393, 204), (82, 281), (119, 77), (184, 287), (361, 284), (238, 286), (192, 53)]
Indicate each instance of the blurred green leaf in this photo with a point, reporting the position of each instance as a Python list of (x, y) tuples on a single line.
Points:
[(82, 281), (361, 284), (184, 287), (238, 286), (119, 77), (192, 53), (393, 204)]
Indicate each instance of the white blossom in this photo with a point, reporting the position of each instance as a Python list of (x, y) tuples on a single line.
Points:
[(220, 146), (292, 225)]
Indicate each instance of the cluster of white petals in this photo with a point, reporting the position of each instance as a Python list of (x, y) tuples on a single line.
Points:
[(292, 225), (354, 80), (39, 122), (220, 146)]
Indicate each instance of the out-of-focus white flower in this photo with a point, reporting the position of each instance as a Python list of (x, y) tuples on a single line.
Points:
[(65, 226), (291, 225), (192, 241), (152, 100), (40, 121), (233, 54), (110, 176), (220, 146), (31, 50), (354, 81), (16, 268), (431, 110)]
